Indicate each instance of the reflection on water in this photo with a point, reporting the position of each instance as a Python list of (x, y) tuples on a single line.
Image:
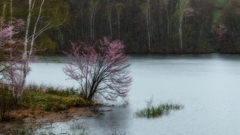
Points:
[(207, 86)]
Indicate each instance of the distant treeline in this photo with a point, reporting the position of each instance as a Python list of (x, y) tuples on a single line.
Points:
[(147, 26)]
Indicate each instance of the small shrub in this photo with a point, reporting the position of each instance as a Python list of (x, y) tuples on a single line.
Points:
[(7, 102), (102, 67)]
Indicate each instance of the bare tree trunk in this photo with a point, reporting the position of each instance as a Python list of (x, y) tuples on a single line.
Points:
[(110, 23), (24, 65), (149, 36), (168, 19), (31, 33), (91, 27), (35, 28), (168, 25), (119, 25), (182, 5), (180, 34), (30, 6), (119, 10), (11, 18), (11, 12), (27, 53), (61, 40), (145, 10), (3, 14), (180, 26), (93, 9), (149, 11), (82, 24)]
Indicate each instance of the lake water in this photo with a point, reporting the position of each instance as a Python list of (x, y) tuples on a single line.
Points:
[(207, 85)]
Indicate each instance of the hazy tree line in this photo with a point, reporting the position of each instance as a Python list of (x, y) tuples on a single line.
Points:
[(155, 26), (145, 26)]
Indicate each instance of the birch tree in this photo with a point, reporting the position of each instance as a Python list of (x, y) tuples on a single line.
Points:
[(182, 6), (10, 50), (166, 2), (145, 7), (93, 5), (37, 22), (119, 7), (3, 14), (109, 8)]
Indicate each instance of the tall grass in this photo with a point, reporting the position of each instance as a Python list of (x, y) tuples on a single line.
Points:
[(157, 111), (51, 98), (43, 97)]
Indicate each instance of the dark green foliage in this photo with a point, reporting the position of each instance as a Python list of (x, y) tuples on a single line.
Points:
[(230, 20), (45, 45), (7, 102), (220, 2), (158, 111)]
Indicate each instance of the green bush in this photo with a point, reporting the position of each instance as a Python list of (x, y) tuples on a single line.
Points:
[(7, 102)]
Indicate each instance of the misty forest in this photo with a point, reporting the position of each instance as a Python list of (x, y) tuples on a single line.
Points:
[(145, 26), (119, 67)]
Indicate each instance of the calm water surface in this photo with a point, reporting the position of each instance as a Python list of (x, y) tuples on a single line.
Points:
[(207, 86)]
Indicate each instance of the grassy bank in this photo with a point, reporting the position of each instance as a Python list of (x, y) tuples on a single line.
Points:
[(44, 98)]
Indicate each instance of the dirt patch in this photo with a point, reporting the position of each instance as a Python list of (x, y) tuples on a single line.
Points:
[(29, 118)]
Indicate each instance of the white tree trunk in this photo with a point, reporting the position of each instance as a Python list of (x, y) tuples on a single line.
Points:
[(11, 12), (180, 34), (149, 36), (168, 19), (119, 25), (35, 28), (3, 14), (91, 27), (118, 7), (182, 5), (110, 21), (30, 6)]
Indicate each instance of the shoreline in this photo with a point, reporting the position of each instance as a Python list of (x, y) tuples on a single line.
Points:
[(26, 119)]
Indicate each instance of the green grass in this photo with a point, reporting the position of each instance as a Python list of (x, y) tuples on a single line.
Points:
[(51, 98), (157, 111), (40, 97)]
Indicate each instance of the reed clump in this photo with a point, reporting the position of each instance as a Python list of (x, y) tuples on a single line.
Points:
[(157, 111)]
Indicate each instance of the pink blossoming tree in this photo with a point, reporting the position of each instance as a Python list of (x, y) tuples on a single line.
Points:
[(15, 64), (12, 64), (100, 69), (223, 35), (4, 35)]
